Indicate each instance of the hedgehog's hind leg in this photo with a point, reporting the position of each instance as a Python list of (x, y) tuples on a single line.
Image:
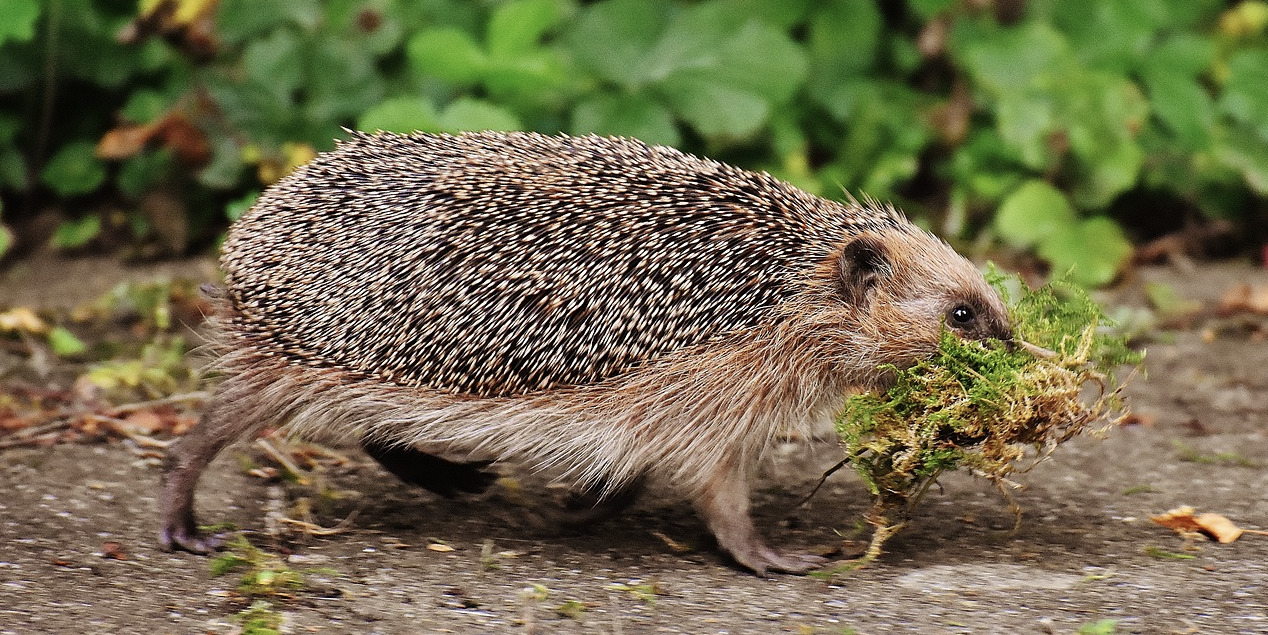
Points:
[(436, 475), (223, 421)]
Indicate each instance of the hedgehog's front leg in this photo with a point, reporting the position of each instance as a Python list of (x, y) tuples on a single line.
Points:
[(723, 502)]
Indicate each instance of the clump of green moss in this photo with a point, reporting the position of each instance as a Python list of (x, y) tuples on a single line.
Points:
[(982, 405)]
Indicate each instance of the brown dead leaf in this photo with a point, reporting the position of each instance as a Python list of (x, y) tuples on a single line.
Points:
[(173, 131), (674, 545), (189, 24), (1244, 298), (185, 139), (145, 421), (1196, 427), (10, 422), (182, 424), (267, 473), (22, 320), (951, 119), (932, 40), (122, 142), (435, 546), (114, 550), (1138, 419), (1183, 521), (1218, 527)]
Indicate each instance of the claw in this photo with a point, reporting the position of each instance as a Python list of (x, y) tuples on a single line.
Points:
[(180, 528), (186, 537), (763, 559)]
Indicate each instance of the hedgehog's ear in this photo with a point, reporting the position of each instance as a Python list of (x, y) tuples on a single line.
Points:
[(864, 261)]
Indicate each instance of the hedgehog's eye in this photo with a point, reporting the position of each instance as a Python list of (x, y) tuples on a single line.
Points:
[(962, 315)]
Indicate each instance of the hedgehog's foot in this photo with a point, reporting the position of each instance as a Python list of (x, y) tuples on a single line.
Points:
[(184, 534), (176, 509), (724, 504), (761, 558), (436, 475)]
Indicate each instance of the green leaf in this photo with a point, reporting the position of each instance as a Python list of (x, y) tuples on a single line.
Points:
[(614, 38), (275, 64), (716, 109), (449, 54), (763, 60), (1245, 95), (235, 209), (1099, 627), (142, 172), (342, 82), (1033, 213), (6, 239), (75, 169), (987, 166), (844, 38), (722, 75), (377, 26), (475, 114), (1185, 54), (1247, 153), (17, 20), (518, 26), (400, 114), (64, 343), (1093, 251), (1183, 106), (691, 41), (635, 116), (1110, 35), (1101, 115), (240, 20), (226, 166), (144, 106), (527, 80), (929, 8), (889, 171), (784, 14), (72, 234), (1187, 14), (9, 127), (12, 168), (1009, 60), (1024, 121), (1114, 169)]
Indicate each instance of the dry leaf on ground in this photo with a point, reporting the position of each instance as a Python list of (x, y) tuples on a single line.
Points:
[(1183, 521), (1244, 298)]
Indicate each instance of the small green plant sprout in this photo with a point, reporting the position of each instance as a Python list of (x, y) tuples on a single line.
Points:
[(1099, 627), (980, 405), (571, 609), (645, 592), (259, 619), (264, 575)]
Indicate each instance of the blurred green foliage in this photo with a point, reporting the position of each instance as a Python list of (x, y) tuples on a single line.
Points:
[(1043, 123)]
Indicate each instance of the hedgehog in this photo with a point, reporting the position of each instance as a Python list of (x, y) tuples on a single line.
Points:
[(617, 312)]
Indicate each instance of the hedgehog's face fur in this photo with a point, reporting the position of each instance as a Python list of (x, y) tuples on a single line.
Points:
[(903, 288)]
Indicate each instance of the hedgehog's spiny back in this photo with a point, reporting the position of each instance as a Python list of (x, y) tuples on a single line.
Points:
[(505, 263)]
